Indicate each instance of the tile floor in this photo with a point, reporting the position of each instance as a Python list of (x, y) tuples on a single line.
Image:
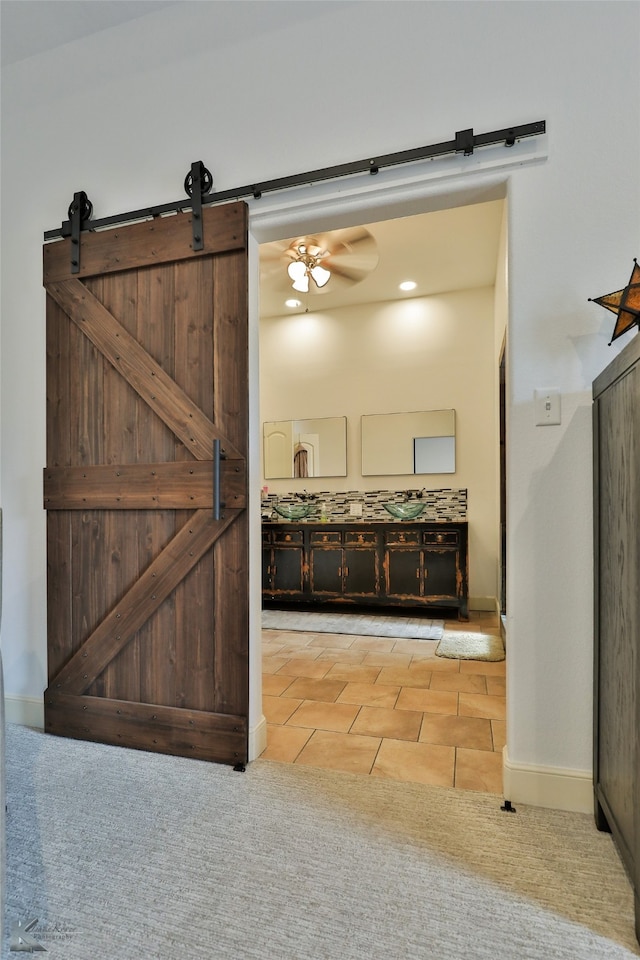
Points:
[(386, 708)]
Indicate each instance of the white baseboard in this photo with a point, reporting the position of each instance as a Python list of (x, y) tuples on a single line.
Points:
[(257, 739), (483, 603), (522, 783), (551, 787), (27, 711)]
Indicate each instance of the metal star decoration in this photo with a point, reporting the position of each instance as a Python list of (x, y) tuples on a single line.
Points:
[(625, 302)]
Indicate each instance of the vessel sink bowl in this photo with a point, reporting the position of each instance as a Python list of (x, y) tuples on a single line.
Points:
[(293, 511), (405, 511)]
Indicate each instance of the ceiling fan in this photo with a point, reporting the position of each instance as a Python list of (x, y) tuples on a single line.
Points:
[(319, 263)]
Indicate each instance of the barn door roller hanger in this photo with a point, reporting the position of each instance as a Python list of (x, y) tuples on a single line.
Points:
[(198, 184)]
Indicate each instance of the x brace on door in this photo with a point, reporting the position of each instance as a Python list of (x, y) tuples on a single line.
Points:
[(133, 486)]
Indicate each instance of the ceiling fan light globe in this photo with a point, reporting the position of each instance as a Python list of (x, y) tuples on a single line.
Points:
[(301, 284), (296, 270), (320, 275)]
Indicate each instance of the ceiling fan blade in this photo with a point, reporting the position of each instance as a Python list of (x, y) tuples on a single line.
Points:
[(276, 250), (361, 260), (351, 251), (346, 274), (346, 237), (275, 257)]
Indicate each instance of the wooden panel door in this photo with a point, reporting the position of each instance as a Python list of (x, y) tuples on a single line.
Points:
[(147, 580)]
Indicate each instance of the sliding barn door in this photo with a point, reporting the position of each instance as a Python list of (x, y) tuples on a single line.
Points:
[(146, 526)]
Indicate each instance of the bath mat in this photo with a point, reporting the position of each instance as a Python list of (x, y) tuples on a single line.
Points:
[(405, 628), (463, 645)]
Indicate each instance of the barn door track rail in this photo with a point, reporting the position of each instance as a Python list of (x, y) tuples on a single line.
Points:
[(198, 184)]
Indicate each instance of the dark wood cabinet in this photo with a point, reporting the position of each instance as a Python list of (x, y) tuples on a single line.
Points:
[(441, 572), (360, 564), (361, 573), (390, 564), (343, 563), (283, 562), (423, 563), (616, 774), (325, 562), (403, 564)]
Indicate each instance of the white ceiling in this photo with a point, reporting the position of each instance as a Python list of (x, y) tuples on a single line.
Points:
[(444, 250), (30, 27)]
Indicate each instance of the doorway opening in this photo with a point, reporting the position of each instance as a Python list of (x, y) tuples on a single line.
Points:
[(294, 333)]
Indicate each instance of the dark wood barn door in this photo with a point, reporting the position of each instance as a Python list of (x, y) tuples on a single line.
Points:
[(147, 578)]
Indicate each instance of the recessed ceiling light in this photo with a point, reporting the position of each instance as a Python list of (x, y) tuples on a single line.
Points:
[(292, 303), (408, 285)]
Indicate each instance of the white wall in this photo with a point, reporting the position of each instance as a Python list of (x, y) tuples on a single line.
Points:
[(123, 115), (423, 353)]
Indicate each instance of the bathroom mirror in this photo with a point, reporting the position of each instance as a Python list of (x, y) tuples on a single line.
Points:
[(409, 443), (305, 448)]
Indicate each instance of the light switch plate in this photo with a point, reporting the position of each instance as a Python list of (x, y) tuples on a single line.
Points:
[(547, 407), (355, 509)]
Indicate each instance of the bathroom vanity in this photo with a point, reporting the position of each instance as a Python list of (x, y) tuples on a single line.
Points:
[(373, 563)]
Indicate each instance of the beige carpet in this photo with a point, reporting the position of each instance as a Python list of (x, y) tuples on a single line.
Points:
[(118, 853), (467, 645)]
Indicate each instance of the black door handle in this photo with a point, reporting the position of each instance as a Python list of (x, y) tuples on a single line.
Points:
[(218, 505)]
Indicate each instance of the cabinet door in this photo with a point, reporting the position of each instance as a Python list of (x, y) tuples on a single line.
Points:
[(325, 570), (403, 573), (287, 570), (360, 571), (440, 573)]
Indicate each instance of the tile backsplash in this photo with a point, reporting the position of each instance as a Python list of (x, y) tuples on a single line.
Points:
[(443, 504)]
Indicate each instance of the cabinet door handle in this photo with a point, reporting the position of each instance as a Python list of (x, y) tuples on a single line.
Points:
[(346, 571), (417, 573), (339, 571)]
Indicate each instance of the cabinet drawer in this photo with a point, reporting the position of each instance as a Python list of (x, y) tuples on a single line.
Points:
[(360, 538), (402, 537), (446, 537), (288, 536), (325, 536)]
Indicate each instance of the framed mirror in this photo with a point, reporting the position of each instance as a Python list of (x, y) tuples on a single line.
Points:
[(305, 448), (409, 443)]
